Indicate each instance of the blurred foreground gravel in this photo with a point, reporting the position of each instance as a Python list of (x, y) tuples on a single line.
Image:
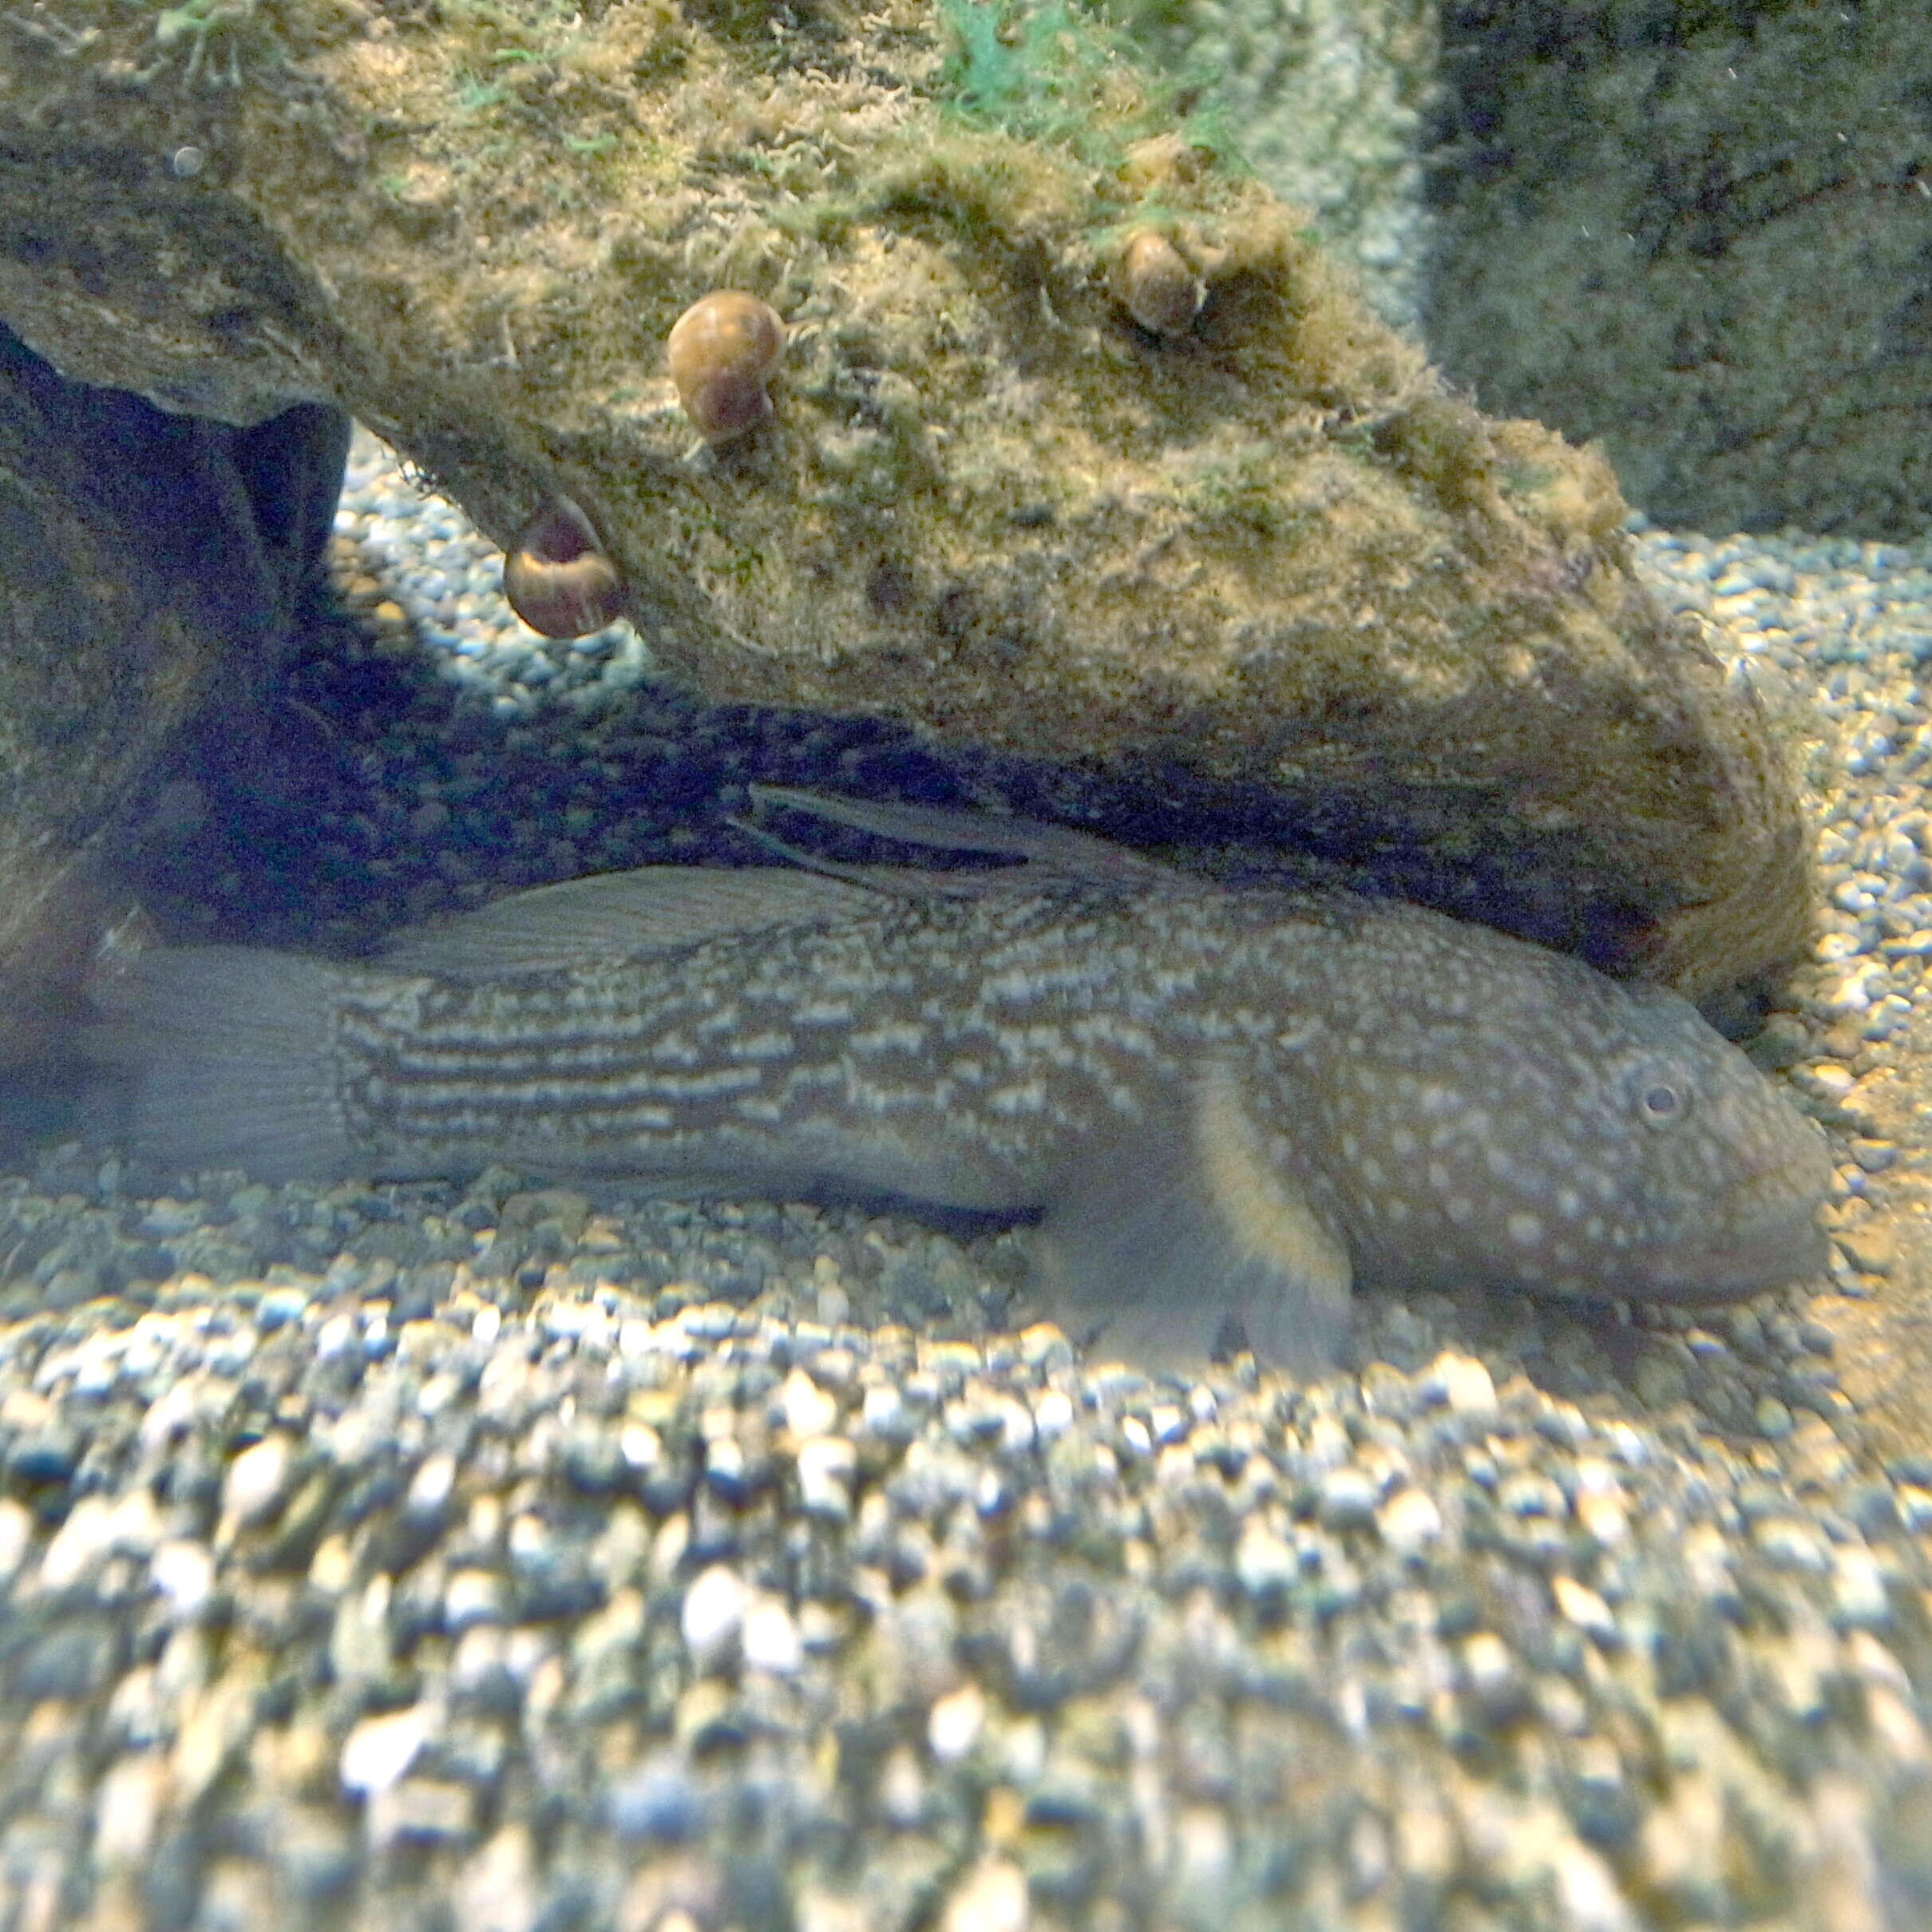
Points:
[(322, 1611)]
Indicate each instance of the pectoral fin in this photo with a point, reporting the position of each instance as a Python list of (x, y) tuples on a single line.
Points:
[(1163, 1233)]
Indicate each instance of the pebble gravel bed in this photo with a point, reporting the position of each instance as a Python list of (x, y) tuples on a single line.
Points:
[(504, 1557), (582, 1614), (1836, 635)]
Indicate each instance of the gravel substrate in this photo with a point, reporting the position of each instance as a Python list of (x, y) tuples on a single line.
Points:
[(505, 1557), (1836, 635), (586, 1615)]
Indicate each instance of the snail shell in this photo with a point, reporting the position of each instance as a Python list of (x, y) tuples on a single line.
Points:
[(558, 576), (1157, 285), (723, 350)]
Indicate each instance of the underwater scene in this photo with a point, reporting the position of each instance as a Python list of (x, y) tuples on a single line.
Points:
[(963, 966)]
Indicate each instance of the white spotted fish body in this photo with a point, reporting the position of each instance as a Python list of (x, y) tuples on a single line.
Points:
[(1216, 1103)]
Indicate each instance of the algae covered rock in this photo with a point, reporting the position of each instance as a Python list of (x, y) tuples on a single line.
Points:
[(1254, 558)]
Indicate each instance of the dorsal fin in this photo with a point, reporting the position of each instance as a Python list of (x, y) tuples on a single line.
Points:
[(663, 909), (619, 915), (1048, 850)]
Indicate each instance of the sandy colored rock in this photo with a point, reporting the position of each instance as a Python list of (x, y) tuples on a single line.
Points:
[(1268, 569)]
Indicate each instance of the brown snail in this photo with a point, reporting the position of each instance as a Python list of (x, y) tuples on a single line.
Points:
[(558, 576), (1157, 285), (722, 350)]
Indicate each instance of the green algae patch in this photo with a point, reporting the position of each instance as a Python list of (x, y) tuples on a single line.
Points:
[(1066, 77), (1261, 561)]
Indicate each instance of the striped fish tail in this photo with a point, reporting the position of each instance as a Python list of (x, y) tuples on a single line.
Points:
[(222, 1056)]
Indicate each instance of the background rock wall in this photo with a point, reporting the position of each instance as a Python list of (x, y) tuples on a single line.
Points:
[(1703, 233)]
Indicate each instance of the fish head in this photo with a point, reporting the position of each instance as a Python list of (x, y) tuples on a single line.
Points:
[(1538, 1126), (1717, 1179)]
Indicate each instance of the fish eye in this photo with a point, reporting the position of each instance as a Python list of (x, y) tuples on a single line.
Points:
[(1660, 1101)]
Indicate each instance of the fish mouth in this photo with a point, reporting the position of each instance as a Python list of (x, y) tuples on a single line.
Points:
[(1773, 1260), (1768, 1235)]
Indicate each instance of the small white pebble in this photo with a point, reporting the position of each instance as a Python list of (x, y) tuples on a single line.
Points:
[(332, 1568), (882, 1410), (1583, 1607), (1263, 1562), (1852, 994), (336, 1336), (432, 1485), (1463, 1382), (1858, 1588), (1486, 1659), (379, 1750), (1169, 1422), (183, 1572), (1346, 1497), (16, 1537), (713, 1615), (955, 1722), (79, 1544), (769, 1637), (438, 1393), (127, 1810), (901, 1789), (1328, 1446), (254, 1481), (1589, 1897), (1603, 1518), (991, 1897), (1053, 1413), (1410, 1520), (473, 1596), (808, 1410), (826, 1465), (724, 1461)]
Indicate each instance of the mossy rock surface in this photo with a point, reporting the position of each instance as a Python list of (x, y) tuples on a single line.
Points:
[(1270, 568)]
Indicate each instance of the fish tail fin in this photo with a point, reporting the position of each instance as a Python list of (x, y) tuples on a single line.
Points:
[(1168, 1232), (221, 1056)]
